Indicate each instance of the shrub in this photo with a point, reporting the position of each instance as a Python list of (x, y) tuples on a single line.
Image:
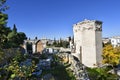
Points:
[(100, 74)]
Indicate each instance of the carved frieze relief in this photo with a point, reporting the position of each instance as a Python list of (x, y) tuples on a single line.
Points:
[(98, 28)]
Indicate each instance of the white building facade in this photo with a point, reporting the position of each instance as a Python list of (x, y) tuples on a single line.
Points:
[(88, 42), (115, 41)]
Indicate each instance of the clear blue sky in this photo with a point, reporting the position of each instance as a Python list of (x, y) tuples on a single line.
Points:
[(55, 18)]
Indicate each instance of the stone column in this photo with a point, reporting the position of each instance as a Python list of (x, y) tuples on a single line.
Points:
[(25, 46), (34, 48)]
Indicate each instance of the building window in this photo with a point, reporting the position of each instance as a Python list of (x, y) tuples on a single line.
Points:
[(112, 41)]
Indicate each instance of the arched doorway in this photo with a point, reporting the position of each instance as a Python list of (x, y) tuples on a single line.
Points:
[(29, 47), (39, 46)]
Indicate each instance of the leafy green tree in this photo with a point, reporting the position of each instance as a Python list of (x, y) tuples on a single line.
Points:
[(3, 7), (111, 56), (65, 44), (60, 44), (17, 71), (36, 38), (55, 42), (16, 38), (3, 29), (1, 55), (14, 28), (12, 38), (100, 74), (8, 37), (21, 37), (47, 43), (20, 71)]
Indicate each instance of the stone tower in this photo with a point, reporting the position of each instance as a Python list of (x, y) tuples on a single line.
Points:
[(88, 42)]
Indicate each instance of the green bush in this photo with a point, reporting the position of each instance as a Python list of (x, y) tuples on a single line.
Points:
[(100, 74), (60, 70), (43, 56), (36, 60), (1, 54)]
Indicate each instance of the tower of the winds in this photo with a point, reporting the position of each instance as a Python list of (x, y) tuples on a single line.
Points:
[(88, 42)]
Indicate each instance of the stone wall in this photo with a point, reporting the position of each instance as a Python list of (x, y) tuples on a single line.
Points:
[(79, 70), (39, 47)]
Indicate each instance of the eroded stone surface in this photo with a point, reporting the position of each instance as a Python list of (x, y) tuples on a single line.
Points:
[(88, 42), (79, 70)]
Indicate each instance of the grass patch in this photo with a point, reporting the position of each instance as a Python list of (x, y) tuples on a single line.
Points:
[(100, 74)]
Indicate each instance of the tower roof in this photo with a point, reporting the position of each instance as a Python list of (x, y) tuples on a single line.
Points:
[(88, 21)]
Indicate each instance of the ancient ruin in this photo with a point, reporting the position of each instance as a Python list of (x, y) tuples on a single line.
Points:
[(88, 42)]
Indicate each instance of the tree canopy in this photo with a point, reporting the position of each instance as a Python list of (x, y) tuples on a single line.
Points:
[(3, 7), (8, 37), (16, 38), (111, 55), (3, 29)]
